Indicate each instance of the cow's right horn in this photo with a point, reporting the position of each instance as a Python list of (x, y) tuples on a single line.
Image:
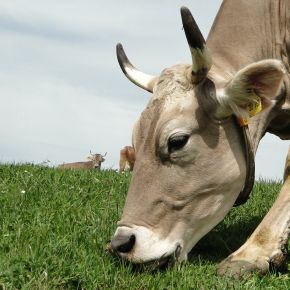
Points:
[(201, 60), (139, 78)]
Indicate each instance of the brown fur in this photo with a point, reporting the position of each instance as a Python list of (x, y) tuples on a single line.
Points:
[(127, 158)]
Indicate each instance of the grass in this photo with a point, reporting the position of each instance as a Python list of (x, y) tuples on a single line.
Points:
[(54, 225)]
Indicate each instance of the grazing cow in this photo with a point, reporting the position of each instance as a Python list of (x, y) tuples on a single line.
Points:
[(95, 161), (127, 158), (195, 143)]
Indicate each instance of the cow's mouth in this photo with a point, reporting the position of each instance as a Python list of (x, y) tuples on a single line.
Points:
[(160, 264), (169, 260), (165, 262)]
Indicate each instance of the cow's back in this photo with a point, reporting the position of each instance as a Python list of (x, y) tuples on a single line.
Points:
[(77, 165)]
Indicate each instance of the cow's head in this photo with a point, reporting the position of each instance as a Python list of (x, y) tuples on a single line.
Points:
[(190, 165), (97, 159)]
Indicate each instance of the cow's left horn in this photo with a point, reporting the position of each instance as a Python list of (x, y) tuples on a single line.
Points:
[(201, 60), (139, 78)]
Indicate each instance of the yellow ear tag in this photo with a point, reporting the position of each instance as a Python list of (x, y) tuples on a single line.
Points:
[(253, 109)]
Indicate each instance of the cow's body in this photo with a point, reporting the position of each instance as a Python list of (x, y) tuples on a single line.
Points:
[(127, 158), (95, 162), (190, 158), (79, 165)]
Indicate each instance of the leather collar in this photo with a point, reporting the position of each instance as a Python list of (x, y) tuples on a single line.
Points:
[(250, 165)]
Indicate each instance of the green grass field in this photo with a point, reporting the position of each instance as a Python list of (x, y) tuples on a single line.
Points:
[(54, 225)]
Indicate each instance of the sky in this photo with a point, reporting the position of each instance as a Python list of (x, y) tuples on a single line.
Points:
[(61, 89)]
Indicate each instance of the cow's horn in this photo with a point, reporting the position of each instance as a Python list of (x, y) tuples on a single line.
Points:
[(201, 60), (134, 75)]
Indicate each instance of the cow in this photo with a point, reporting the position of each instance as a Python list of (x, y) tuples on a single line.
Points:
[(127, 159), (95, 162), (196, 140)]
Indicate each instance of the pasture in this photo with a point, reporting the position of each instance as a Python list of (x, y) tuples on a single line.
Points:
[(54, 225)]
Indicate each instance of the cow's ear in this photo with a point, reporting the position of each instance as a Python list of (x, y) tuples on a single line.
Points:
[(251, 89)]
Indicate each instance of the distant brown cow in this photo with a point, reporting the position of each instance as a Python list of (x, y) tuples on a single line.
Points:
[(127, 158), (95, 162)]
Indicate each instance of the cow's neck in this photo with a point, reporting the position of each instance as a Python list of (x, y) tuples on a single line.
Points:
[(246, 31)]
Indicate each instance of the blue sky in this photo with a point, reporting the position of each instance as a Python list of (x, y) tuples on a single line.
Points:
[(62, 91)]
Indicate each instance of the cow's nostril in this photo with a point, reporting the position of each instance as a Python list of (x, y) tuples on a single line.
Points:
[(123, 244)]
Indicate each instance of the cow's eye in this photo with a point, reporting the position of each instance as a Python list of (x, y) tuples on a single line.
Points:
[(177, 142)]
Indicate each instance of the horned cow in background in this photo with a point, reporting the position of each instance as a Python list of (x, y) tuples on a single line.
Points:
[(95, 162)]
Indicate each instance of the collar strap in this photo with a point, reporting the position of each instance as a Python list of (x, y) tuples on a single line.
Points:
[(253, 108), (250, 167)]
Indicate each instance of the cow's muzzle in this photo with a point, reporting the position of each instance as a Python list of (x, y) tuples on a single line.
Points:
[(122, 245)]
